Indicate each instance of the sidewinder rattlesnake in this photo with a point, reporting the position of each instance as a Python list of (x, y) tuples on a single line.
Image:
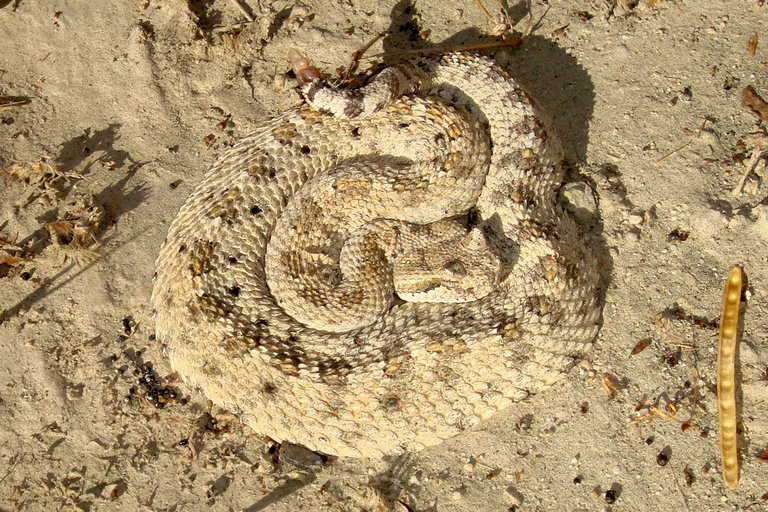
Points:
[(379, 269)]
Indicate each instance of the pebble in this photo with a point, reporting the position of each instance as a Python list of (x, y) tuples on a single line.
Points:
[(458, 493), (635, 219), (299, 11), (300, 457), (747, 354), (715, 218), (113, 491), (751, 185), (579, 200), (761, 225), (586, 368), (513, 497)]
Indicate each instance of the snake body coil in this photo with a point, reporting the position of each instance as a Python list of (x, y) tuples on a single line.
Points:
[(379, 269)]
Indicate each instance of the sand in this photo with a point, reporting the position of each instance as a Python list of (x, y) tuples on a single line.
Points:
[(131, 101)]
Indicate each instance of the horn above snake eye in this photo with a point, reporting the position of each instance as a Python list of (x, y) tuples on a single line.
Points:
[(474, 239)]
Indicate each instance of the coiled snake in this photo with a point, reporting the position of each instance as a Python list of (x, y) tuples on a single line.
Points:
[(380, 268)]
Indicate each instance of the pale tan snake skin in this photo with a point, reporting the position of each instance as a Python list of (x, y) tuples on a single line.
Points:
[(343, 198)]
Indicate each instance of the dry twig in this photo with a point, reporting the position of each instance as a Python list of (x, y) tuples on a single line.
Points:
[(14, 101), (355, 59), (757, 154), (684, 145)]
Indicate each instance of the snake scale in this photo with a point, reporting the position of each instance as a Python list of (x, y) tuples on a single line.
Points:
[(379, 269)]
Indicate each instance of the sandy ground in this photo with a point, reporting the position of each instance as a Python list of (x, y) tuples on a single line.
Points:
[(131, 101)]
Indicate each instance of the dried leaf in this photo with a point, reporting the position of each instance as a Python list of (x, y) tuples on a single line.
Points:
[(583, 15), (610, 386), (641, 345), (752, 45), (7, 259), (754, 103)]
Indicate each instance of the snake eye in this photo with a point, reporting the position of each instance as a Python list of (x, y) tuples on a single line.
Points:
[(456, 268)]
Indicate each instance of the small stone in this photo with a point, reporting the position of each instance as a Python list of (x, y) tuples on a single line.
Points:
[(469, 467), (715, 218), (513, 497), (710, 137), (299, 11), (748, 354), (635, 219), (761, 225), (114, 491), (300, 457), (751, 185), (279, 83), (579, 199)]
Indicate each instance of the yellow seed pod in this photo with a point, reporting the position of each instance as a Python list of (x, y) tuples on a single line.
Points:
[(726, 393)]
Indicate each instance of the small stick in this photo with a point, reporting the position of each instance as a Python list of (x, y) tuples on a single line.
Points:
[(757, 153), (505, 11), (695, 400), (485, 11), (726, 395), (246, 12), (355, 59), (684, 145), (15, 460), (14, 101)]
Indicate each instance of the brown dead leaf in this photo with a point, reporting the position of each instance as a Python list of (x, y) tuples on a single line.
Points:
[(610, 386), (7, 259), (641, 345), (754, 103), (752, 45)]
